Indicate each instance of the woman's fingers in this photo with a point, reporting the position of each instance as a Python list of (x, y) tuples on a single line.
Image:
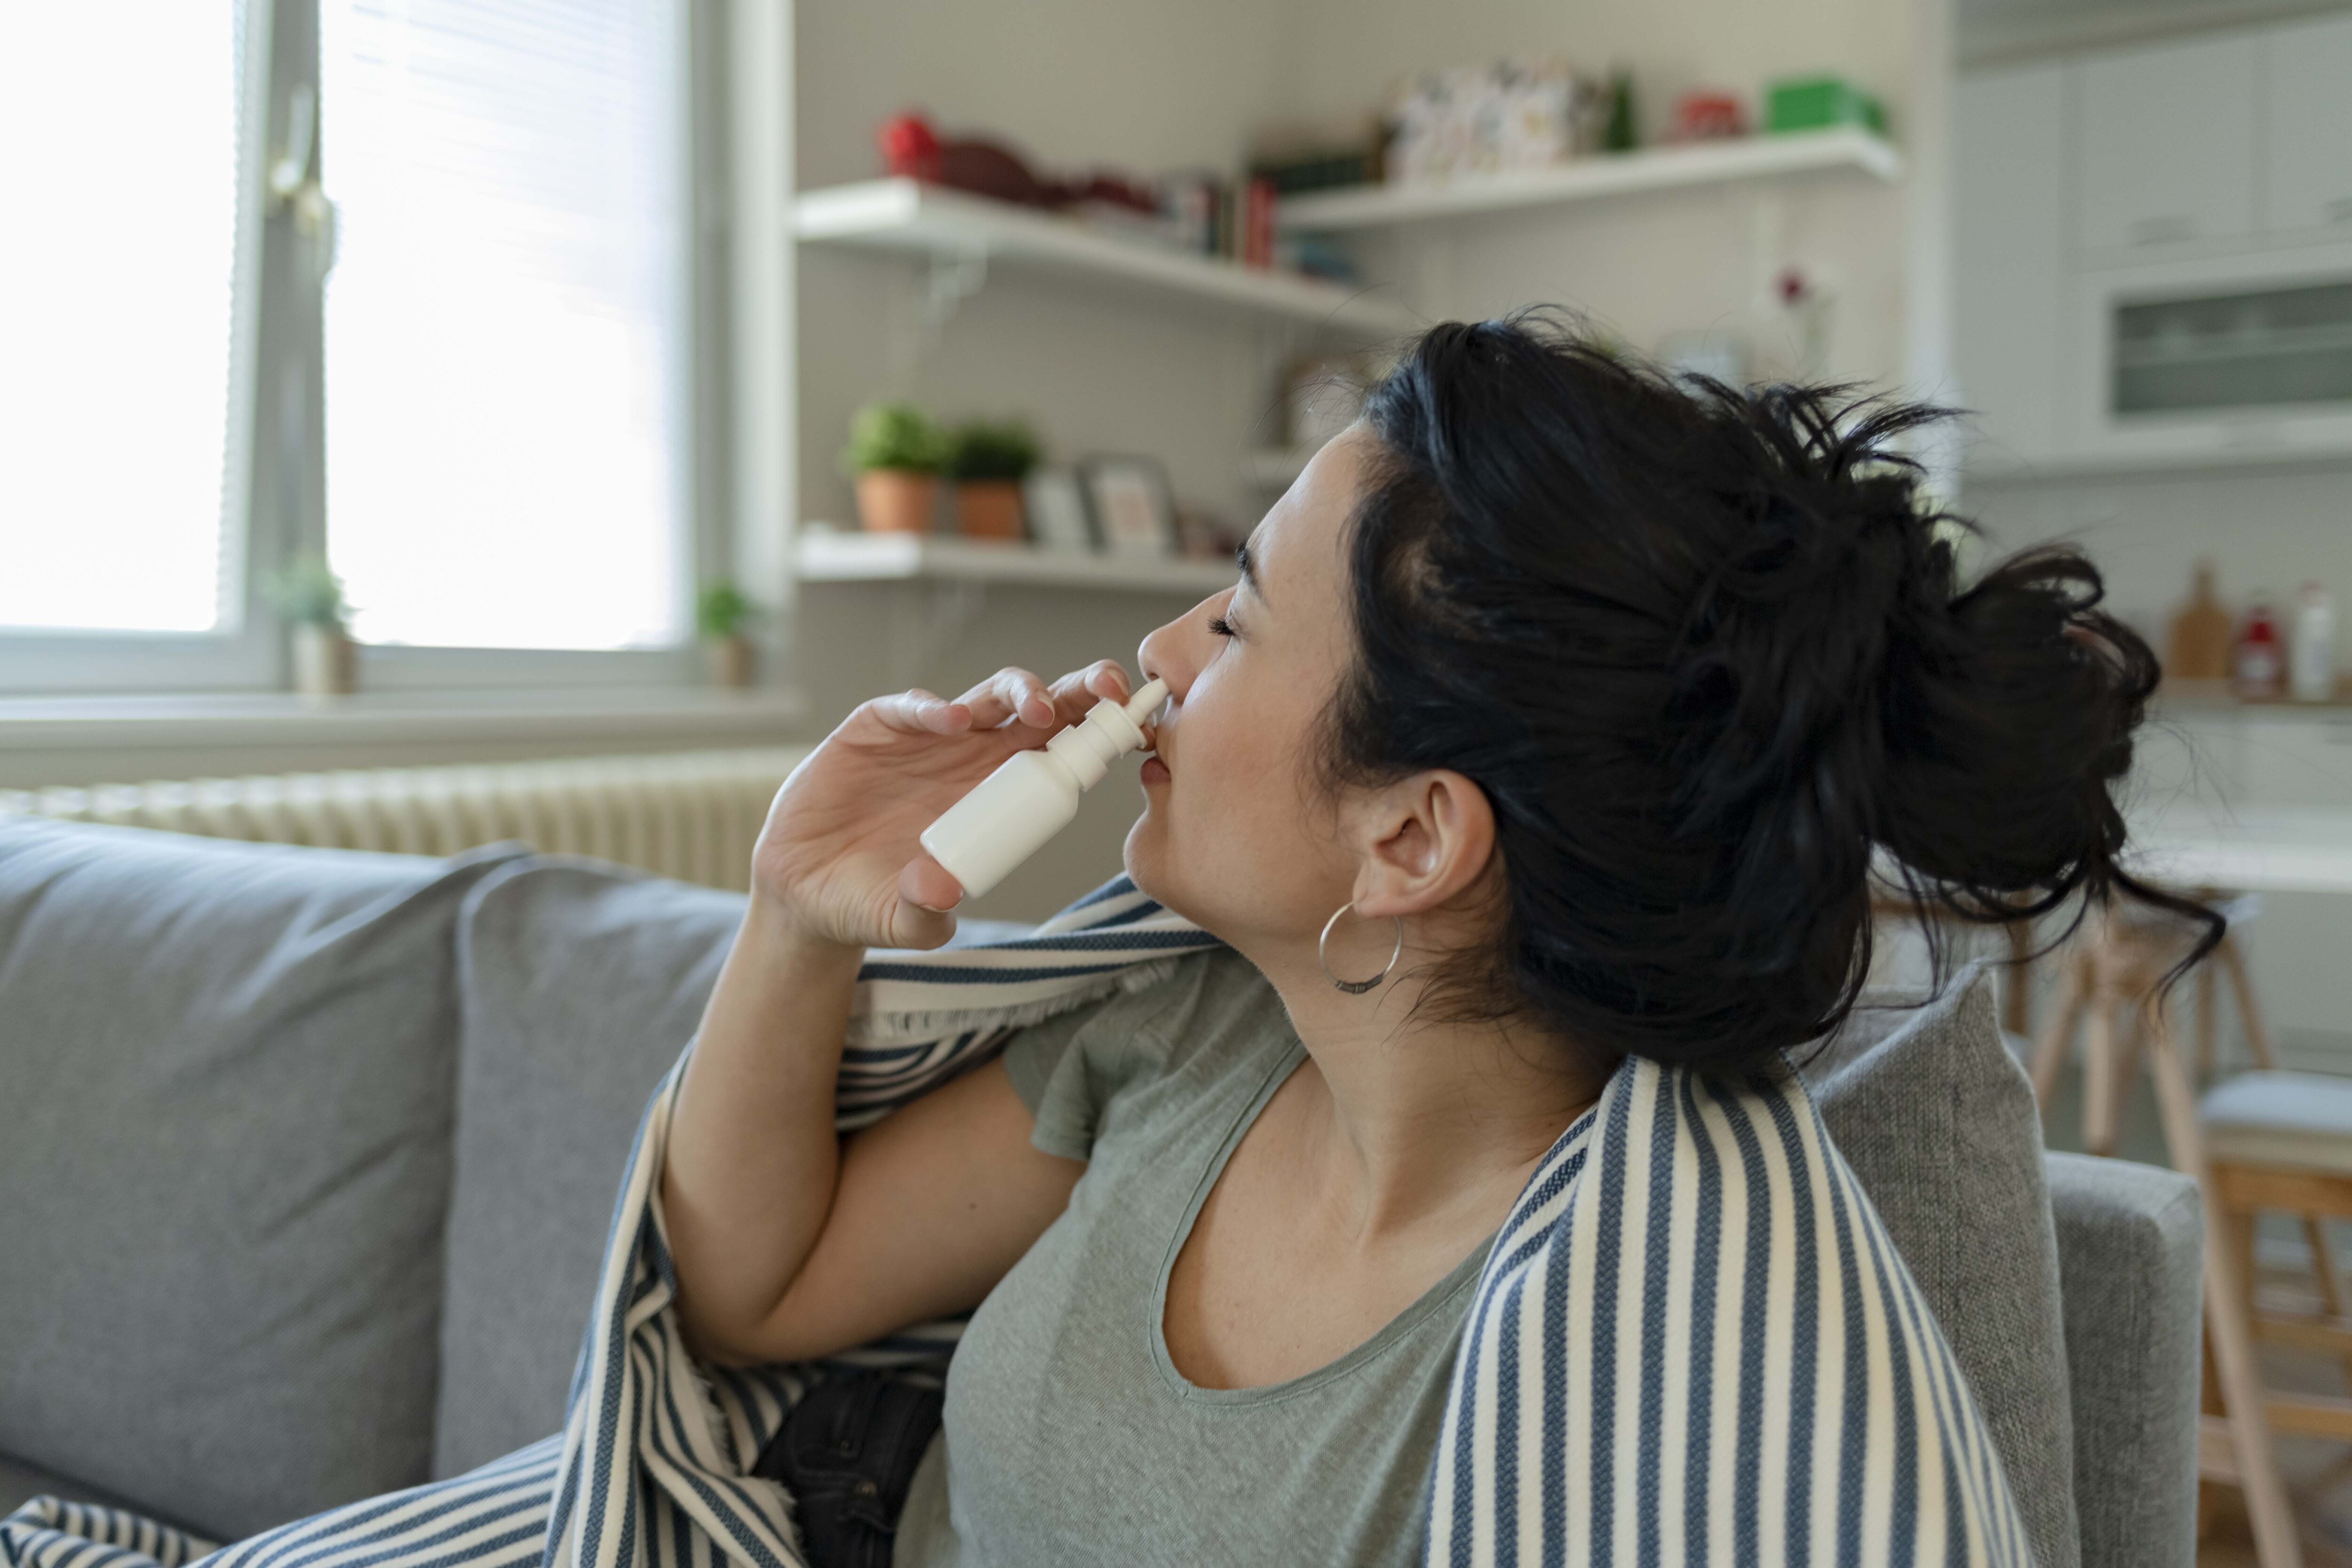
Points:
[(1010, 694), (1075, 693), (918, 712)]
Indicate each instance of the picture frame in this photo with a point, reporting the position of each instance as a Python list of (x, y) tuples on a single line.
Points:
[(1132, 505), (1059, 519)]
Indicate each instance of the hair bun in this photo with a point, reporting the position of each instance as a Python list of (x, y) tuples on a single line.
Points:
[(1707, 653)]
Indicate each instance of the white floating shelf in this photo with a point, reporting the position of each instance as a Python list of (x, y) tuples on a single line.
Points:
[(826, 555), (907, 215), (1841, 149)]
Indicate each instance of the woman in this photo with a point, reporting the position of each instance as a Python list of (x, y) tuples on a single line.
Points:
[(1550, 726)]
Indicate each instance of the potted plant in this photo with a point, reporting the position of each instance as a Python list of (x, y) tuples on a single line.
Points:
[(988, 463), (895, 453), (309, 594), (720, 615)]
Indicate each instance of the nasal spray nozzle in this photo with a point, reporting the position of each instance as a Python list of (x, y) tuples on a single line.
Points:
[(1034, 795)]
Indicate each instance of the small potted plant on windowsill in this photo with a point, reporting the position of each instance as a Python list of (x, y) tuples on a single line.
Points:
[(988, 463), (720, 614), (311, 596), (895, 453)]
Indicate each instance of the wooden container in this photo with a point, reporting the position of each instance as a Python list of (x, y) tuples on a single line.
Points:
[(896, 500), (326, 661), (989, 509), (733, 660)]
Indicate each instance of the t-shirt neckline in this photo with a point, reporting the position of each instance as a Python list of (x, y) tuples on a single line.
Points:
[(1391, 1333)]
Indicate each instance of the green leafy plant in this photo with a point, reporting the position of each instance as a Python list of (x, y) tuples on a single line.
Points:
[(308, 592), (720, 610), (893, 436), (982, 450)]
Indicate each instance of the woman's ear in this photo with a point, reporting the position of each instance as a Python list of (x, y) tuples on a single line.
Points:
[(1421, 843)]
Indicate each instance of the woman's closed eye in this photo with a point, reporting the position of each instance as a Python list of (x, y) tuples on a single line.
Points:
[(1220, 626)]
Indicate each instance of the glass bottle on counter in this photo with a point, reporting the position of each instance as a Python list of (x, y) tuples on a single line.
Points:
[(2311, 653), (2259, 665)]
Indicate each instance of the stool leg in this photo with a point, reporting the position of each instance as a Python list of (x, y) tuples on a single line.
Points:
[(2099, 1074), (2233, 965), (2017, 981), (2049, 1047), (2322, 1269), (2228, 1333), (2205, 1024)]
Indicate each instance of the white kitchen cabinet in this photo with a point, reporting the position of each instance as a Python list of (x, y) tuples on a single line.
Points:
[(2307, 126), (2166, 143), (2010, 279)]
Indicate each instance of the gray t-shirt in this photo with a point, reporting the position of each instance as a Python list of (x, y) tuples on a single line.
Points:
[(1070, 1437)]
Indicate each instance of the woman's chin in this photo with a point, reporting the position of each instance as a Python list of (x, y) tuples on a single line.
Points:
[(1142, 856)]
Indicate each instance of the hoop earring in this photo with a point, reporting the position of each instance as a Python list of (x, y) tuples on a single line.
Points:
[(1356, 987)]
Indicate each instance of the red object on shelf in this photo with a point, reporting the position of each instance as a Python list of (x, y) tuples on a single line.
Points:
[(2259, 665), (1706, 117), (1258, 223), (912, 148)]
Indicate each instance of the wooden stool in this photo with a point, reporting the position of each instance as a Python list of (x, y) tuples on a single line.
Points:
[(2115, 963), (2017, 979), (2109, 984), (2284, 1141)]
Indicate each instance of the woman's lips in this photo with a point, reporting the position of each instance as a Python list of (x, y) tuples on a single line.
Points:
[(1154, 770)]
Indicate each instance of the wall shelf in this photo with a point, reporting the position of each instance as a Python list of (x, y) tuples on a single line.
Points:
[(970, 233), (1840, 150), (826, 555)]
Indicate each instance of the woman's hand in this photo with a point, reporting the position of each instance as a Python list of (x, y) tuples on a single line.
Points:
[(838, 857)]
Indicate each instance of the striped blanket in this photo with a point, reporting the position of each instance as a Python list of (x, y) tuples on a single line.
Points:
[(1691, 1344)]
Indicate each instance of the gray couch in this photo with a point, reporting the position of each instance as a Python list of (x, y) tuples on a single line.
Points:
[(310, 1156)]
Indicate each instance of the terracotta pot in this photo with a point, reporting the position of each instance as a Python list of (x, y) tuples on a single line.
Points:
[(326, 661), (732, 660), (896, 500), (990, 508)]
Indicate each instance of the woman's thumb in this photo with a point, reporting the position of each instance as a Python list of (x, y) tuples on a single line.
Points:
[(926, 893)]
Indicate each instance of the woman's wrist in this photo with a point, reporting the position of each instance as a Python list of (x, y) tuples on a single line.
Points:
[(776, 927)]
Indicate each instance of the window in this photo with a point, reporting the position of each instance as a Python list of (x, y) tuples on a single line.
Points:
[(116, 318), (503, 321), (405, 283)]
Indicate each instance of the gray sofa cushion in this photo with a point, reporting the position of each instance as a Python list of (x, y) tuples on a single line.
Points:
[(230, 1072), (1939, 1123), (581, 982), (2131, 1238)]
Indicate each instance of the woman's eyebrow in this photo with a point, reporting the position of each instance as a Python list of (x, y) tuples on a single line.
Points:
[(1249, 571)]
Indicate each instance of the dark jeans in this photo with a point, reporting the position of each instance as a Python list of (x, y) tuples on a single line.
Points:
[(846, 1452)]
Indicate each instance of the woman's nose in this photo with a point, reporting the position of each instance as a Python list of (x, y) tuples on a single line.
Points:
[(1176, 651)]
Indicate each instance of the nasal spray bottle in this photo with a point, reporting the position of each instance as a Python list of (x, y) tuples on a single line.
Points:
[(1034, 795)]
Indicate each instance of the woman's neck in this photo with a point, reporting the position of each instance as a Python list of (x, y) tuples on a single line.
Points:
[(1408, 1121)]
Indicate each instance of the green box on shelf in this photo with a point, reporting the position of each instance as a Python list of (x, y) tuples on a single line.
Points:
[(1818, 102)]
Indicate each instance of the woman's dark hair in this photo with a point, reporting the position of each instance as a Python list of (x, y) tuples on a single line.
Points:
[(1705, 651)]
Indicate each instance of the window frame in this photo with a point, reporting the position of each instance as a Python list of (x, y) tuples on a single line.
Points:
[(273, 499)]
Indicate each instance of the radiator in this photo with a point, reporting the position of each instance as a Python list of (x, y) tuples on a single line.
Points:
[(692, 815)]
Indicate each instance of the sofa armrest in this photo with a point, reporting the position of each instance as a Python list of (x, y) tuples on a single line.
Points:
[(2131, 1249)]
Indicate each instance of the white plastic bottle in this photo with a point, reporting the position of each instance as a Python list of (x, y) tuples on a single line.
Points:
[(1033, 796), (2311, 651)]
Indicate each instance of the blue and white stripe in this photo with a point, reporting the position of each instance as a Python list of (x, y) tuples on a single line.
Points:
[(1692, 1343)]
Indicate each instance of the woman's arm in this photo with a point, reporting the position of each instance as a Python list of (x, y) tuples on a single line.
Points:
[(789, 1242), (792, 1243)]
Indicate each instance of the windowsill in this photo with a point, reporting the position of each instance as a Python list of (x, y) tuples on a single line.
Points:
[(519, 714)]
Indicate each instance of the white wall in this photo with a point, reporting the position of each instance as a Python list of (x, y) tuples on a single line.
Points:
[(1150, 85), (1139, 85), (1679, 262)]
